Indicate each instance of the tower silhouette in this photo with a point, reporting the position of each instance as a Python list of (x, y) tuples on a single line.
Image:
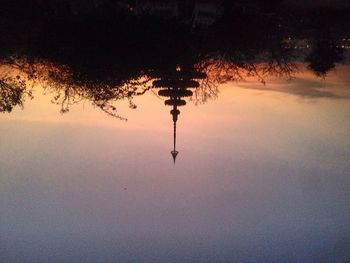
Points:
[(176, 85)]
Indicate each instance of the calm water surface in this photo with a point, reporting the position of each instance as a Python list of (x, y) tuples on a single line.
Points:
[(262, 175)]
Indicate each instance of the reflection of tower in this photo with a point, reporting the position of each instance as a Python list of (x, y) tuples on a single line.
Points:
[(175, 86)]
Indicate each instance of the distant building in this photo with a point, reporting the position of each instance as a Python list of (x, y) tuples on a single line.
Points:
[(157, 8), (334, 4), (84, 7), (197, 13), (206, 13)]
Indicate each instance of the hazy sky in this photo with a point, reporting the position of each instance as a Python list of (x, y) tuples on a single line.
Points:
[(262, 176)]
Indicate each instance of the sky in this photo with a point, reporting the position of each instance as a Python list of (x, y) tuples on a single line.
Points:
[(262, 174)]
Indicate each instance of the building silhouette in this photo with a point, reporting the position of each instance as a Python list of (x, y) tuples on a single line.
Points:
[(177, 85)]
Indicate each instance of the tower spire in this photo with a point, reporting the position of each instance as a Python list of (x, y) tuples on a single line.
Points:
[(176, 85), (174, 153), (175, 112)]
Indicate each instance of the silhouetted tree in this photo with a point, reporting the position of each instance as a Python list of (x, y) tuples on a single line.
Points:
[(105, 56), (12, 93), (324, 56)]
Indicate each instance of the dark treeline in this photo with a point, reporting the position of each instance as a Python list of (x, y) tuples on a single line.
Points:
[(106, 44), (106, 38)]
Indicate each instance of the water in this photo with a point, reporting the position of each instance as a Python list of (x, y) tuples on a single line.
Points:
[(262, 175)]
